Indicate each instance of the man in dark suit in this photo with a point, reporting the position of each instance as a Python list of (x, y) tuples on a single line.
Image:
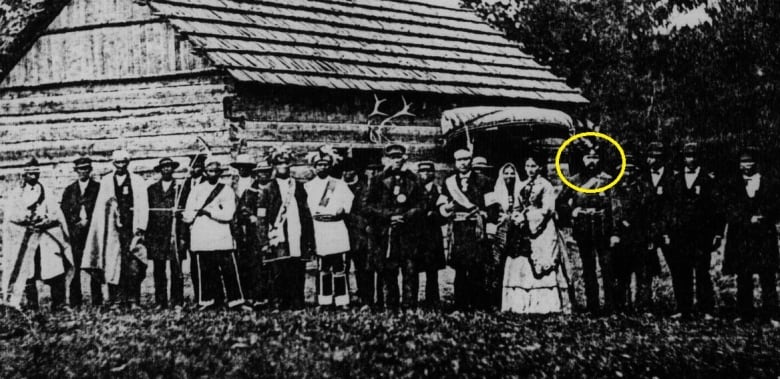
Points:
[(196, 177), (394, 205), (658, 182), (252, 218), (431, 258), (463, 203), (751, 247), (591, 219), (78, 202), (358, 225), (695, 232), (160, 235)]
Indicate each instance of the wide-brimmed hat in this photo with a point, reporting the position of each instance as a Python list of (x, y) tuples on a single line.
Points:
[(82, 163), (243, 160), (263, 166), (480, 162), (213, 160), (166, 162)]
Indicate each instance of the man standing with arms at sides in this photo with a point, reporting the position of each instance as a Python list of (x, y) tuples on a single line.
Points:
[(196, 177), (695, 233), (34, 243), (244, 164), (358, 225), (658, 182), (463, 203), (209, 211), (78, 203), (431, 258), (751, 247), (394, 206), (253, 218), (161, 235), (330, 200), (118, 224), (591, 216), (290, 236)]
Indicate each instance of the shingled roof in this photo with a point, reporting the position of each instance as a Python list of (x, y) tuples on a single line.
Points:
[(370, 45)]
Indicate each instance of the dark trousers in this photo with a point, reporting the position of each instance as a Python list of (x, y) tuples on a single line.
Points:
[(219, 279), (161, 283), (630, 260), (194, 277), (768, 294), (689, 266), (589, 253), (469, 286), (410, 280), (432, 288), (250, 270), (363, 277), (56, 286), (287, 280), (95, 286)]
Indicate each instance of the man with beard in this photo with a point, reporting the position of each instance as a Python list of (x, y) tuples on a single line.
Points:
[(118, 225), (394, 206), (290, 236), (462, 202), (78, 203), (431, 259), (196, 177), (358, 226), (330, 200), (695, 232), (34, 243), (591, 218), (751, 247), (161, 235), (253, 219), (629, 240), (209, 211)]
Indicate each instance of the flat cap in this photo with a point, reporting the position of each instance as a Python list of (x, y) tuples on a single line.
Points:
[(395, 150), (82, 162), (690, 148), (462, 154), (480, 162), (655, 148), (426, 166), (748, 154), (120, 155)]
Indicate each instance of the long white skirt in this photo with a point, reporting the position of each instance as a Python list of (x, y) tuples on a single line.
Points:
[(524, 290)]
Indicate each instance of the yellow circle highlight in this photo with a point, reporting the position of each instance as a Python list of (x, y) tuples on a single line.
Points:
[(590, 134)]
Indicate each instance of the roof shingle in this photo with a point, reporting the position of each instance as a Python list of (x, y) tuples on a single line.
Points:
[(370, 45)]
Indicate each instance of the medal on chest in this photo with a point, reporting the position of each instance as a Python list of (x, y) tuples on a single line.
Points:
[(125, 190), (659, 190), (400, 198)]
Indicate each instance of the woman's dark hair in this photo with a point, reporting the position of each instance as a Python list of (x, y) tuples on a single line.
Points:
[(541, 160)]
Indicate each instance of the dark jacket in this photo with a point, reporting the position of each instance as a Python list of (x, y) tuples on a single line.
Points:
[(431, 255), (659, 204), (470, 245), (183, 229), (381, 204), (752, 247), (357, 221), (158, 231), (696, 216), (72, 201), (594, 222), (270, 199)]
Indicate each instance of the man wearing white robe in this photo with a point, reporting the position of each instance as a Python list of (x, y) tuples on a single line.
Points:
[(118, 225), (34, 243), (329, 200), (210, 209)]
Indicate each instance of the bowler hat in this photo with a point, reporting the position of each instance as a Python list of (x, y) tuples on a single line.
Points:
[(426, 166)]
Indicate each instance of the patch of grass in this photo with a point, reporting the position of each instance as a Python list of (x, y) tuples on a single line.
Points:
[(146, 343)]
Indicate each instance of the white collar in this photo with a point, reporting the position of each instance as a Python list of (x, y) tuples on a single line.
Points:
[(752, 177)]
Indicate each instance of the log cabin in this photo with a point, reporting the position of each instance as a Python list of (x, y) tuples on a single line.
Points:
[(158, 76)]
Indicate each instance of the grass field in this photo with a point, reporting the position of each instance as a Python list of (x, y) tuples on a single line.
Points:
[(185, 343)]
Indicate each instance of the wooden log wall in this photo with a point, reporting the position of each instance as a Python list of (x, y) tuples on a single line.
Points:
[(107, 74)]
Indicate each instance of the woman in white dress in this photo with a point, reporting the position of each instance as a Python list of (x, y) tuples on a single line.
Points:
[(532, 274)]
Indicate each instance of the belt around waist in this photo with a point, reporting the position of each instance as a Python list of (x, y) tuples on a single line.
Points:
[(464, 216)]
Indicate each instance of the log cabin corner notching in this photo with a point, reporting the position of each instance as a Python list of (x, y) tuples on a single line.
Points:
[(151, 76)]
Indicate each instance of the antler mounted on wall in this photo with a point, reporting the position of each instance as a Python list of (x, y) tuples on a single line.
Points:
[(376, 132)]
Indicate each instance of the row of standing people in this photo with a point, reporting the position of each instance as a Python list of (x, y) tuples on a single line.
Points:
[(683, 216)]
